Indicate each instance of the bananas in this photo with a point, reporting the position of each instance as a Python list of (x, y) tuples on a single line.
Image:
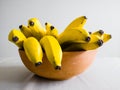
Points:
[(33, 50), (17, 37), (36, 28), (51, 30), (74, 35), (53, 50), (75, 32), (95, 43), (25, 30), (78, 22), (99, 33), (35, 39), (33, 53), (98, 38)]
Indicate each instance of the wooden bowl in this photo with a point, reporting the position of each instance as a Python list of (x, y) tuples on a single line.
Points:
[(73, 63)]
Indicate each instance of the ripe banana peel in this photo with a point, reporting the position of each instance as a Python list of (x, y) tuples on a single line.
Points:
[(75, 32), (102, 35), (25, 30), (78, 22), (33, 50), (98, 33), (52, 50), (74, 35), (16, 37), (51, 30), (37, 29)]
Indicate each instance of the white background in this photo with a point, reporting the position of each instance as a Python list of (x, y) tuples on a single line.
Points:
[(102, 14)]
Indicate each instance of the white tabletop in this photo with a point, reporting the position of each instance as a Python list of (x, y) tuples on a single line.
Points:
[(103, 74)]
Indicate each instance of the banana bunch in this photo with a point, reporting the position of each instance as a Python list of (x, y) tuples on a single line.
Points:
[(16, 37), (97, 40), (75, 32), (36, 40), (76, 38), (51, 30), (31, 46)]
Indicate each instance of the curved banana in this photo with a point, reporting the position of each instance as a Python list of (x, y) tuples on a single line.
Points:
[(95, 43), (17, 37), (25, 30), (53, 50), (74, 32), (33, 50), (78, 22), (36, 28), (73, 35), (51, 30)]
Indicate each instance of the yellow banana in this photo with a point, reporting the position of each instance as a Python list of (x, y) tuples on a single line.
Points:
[(33, 50), (53, 50), (73, 35), (94, 38), (83, 46), (25, 30), (106, 37), (51, 30), (47, 27), (78, 22), (92, 45), (17, 37), (36, 28), (99, 33), (74, 32), (95, 42)]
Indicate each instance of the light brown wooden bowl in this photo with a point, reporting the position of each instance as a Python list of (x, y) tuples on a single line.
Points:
[(73, 63)]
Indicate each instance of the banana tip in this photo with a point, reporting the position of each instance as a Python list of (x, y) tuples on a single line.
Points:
[(58, 68), (100, 42), (46, 23), (101, 32), (52, 27), (110, 36), (90, 32), (20, 26), (88, 39), (37, 64), (85, 17), (15, 39)]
